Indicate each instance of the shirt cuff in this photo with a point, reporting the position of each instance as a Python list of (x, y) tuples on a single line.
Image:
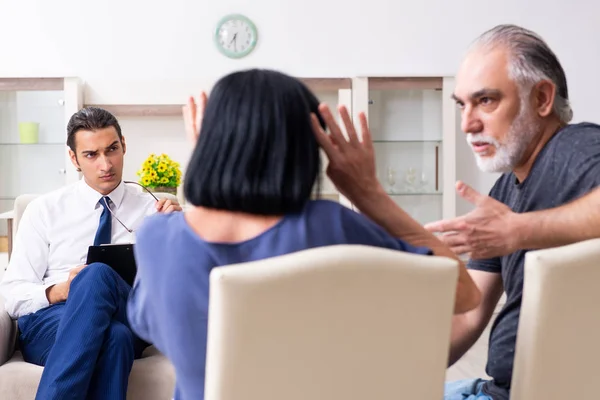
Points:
[(39, 298)]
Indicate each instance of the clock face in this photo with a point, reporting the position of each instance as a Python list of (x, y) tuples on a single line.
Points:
[(236, 36)]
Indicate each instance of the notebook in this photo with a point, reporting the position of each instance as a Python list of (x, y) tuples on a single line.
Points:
[(119, 257)]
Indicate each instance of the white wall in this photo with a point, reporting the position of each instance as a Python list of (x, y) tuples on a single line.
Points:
[(145, 51)]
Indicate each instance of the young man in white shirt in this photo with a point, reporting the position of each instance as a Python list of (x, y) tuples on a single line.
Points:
[(71, 317)]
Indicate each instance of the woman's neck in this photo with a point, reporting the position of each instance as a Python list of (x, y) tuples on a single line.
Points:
[(226, 226)]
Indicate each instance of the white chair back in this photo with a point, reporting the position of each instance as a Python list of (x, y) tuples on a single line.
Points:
[(558, 349), (338, 323)]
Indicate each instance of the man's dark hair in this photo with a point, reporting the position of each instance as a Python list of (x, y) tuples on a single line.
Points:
[(256, 152), (90, 119)]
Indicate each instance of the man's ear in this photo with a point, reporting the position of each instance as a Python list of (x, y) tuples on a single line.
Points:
[(544, 93), (73, 158), (123, 144)]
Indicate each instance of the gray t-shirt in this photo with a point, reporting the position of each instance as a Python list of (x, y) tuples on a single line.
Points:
[(566, 168)]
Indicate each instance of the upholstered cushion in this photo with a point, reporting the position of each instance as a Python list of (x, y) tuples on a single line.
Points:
[(152, 378)]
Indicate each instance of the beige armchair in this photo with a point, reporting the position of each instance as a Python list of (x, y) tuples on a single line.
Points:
[(557, 355), (339, 322), (152, 376)]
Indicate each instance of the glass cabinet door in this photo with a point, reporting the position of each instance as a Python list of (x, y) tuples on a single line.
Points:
[(333, 92), (409, 131), (33, 151)]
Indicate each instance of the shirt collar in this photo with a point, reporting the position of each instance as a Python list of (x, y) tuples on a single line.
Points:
[(92, 197)]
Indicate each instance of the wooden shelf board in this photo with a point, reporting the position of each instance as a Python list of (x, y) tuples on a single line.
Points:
[(323, 84), (405, 83), (13, 84), (142, 110), (170, 110)]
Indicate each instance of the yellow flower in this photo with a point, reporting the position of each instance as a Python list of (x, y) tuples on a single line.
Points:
[(160, 171)]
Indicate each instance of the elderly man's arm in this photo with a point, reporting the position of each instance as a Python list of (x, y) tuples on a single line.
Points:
[(492, 229), (572, 222)]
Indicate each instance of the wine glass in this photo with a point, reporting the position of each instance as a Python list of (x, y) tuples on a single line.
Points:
[(410, 178), (391, 178), (423, 182)]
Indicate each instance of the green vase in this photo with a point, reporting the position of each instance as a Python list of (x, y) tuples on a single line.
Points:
[(29, 132)]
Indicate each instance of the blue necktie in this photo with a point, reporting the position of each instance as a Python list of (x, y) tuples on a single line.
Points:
[(103, 234)]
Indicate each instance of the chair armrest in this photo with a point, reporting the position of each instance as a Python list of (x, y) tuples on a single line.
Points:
[(8, 334)]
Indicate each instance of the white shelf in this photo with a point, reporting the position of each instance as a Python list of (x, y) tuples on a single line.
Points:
[(33, 144), (7, 215)]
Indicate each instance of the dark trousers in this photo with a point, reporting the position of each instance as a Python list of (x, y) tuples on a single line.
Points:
[(85, 344)]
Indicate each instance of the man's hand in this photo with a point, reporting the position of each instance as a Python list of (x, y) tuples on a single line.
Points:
[(192, 116), (167, 206), (60, 291), (351, 161), (487, 231)]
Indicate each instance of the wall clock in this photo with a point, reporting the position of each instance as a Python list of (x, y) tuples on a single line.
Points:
[(236, 36)]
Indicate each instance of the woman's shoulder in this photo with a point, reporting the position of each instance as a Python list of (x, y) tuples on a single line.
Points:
[(338, 216), (325, 206), (159, 226)]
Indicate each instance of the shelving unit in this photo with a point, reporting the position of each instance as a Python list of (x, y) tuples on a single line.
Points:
[(141, 110), (413, 127), (35, 167), (148, 118), (334, 92), (413, 121)]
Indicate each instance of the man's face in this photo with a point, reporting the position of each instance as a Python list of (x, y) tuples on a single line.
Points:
[(499, 122), (100, 157)]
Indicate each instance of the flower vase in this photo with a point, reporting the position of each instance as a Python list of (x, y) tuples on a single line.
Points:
[(165, 189)]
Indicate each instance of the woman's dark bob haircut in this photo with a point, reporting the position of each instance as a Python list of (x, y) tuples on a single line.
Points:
[(257, 152)]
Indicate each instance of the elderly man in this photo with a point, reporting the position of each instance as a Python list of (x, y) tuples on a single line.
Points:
[(512, 93), (513, 96)]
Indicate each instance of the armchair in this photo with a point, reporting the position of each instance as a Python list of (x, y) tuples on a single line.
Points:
[(152, 376)]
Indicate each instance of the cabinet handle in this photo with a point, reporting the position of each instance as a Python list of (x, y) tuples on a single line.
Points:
[(437, 150), (62, 171)]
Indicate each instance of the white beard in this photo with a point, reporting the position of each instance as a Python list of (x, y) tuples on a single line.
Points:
[(509, 153)]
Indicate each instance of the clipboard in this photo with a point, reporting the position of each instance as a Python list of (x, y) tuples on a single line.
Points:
[(119, 257)]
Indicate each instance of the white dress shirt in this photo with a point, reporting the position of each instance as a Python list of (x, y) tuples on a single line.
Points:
[(54, 234)]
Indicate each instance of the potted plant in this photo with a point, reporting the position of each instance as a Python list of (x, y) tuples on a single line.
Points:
[(160, 174)]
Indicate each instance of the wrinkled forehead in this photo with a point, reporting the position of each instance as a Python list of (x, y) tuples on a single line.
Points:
[(484, 69), (95, 140)]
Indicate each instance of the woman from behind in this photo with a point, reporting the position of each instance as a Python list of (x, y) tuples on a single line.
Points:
[(250, 180)]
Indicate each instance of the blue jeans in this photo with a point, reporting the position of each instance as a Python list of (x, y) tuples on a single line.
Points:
[(466, 389)]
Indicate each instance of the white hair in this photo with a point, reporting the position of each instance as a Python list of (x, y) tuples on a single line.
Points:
[(531, 61)]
